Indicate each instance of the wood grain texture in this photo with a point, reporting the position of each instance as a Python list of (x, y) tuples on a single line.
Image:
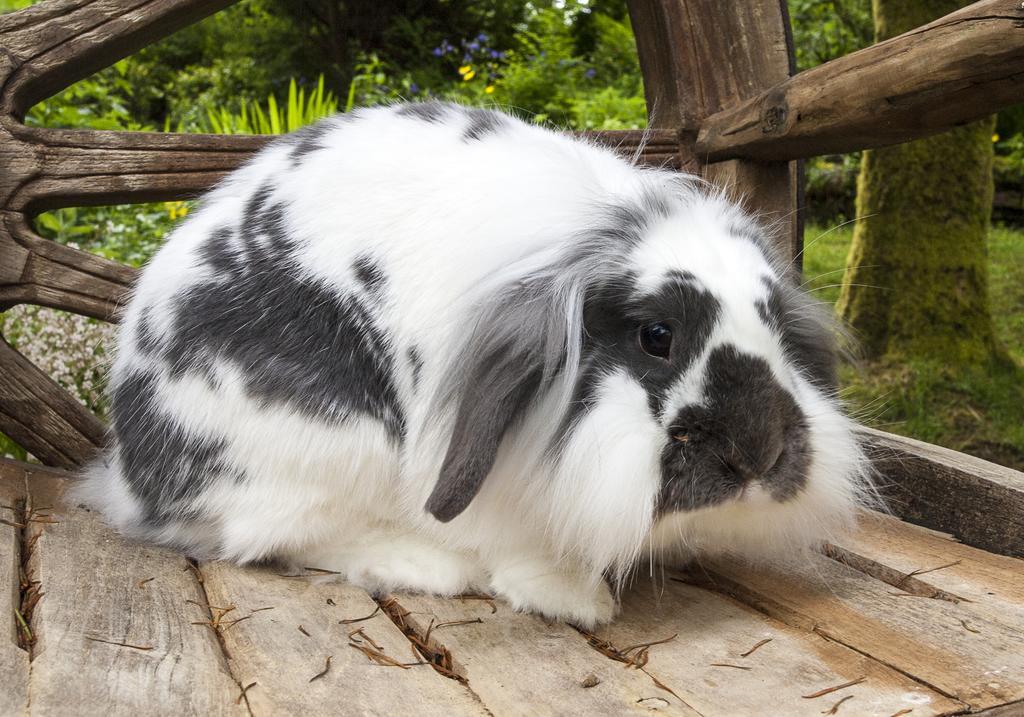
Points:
[(99, 590), (13, 659), (54, 44), (957, 69), (980, 664), (699, 57), (980, 503), (705, 664), (43, 417), (283, 648), (34, 270), (521, 665), (986, 583)]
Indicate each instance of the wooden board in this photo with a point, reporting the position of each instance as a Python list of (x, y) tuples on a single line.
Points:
[(279, 651), (979, 502), (521, 665), (986, 583), (13, 659), (943, 644), (706, 665), (99, 590)]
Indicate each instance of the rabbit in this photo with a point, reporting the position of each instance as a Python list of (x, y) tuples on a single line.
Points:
[(436, 348)]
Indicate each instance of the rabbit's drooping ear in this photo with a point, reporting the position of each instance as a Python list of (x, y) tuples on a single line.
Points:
[(497, 392)]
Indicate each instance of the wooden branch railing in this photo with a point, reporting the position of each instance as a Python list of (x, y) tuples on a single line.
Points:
[(53, 45), (959, 68), (41, 416)]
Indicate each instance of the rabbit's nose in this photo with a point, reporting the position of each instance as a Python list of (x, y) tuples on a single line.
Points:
[(756, 460)]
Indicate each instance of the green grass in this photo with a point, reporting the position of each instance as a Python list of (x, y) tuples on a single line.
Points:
[(978, 409)]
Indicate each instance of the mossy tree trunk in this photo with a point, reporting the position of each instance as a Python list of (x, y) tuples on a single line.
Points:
[(916, 282)]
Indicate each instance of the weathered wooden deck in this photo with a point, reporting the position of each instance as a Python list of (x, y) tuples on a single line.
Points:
[(898, 621)]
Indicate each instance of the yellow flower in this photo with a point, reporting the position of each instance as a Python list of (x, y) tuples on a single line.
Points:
[(995, 138), (469, 76), (489, 89), (464, 69), (176, 210)]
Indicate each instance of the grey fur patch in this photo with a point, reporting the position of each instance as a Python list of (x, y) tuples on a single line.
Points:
[(613, 319), (482, 123), (296, 342), (432, 111), (217, 251), (807, 335), (370, 275), (309, 139), (146, 339), (165, 466), (416, 364), (747, 427)]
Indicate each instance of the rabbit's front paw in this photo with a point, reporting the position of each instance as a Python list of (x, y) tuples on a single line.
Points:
[(537, 586)]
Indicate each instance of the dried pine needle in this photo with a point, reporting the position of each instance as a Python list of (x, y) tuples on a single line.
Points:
[(829, 690), (327, 667), (119, 644), (758, 646), (358, 619), (245, 689), (835, 707)]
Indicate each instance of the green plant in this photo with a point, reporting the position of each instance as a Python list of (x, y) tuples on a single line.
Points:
[(298, 110)]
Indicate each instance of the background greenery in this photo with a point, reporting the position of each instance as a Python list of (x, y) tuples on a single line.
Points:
[(267, 66)]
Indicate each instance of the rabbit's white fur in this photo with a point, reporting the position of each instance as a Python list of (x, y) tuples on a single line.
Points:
[(448, 221)]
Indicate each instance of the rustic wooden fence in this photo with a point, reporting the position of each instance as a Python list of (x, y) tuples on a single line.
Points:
[(724, 103)]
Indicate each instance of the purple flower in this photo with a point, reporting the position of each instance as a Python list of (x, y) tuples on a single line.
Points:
[(495, 55), (474, 46), (589, 74), (438, 52), (414, 88), (481, 37)]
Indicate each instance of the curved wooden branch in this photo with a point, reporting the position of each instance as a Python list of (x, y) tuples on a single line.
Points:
[(34, 270), (41, 416), (54, 168), (57, 43), (957, 69)]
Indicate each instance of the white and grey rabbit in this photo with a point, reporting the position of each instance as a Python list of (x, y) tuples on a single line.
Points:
[(437, 348)]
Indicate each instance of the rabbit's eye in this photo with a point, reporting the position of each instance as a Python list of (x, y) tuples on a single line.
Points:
[(656, 340)]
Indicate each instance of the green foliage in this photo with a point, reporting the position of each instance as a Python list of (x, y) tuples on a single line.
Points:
[(826, 29), (100, 102), (297, 111), (977, 408), (128, 233)]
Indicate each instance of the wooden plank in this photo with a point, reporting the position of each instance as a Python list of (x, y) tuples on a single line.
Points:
[(13, 659), (706, 664), (46, 51), (34, 270), (957, 69), (980, 664), (521, 665), (42, 416), (987, 583), (280, 651), (114, 632), (980, 503), (699, 57)]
